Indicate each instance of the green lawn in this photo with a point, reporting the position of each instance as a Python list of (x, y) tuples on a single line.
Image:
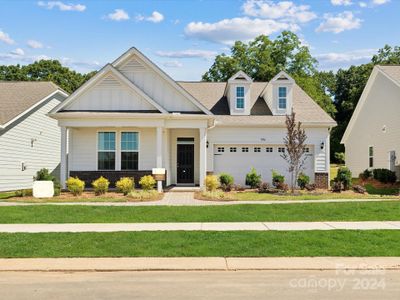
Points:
[(190, 243), (347, 211)]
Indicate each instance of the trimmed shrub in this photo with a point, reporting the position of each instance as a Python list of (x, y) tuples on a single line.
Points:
[(303, 180), (253, 179), (75, 185), (44, 175), (277, 179), (385, 175), (100, 185), (339, 157), (125, 185), (212, 183), (366, 174), (147, 182), (144, 195), (226, 181), (24, 193), (344, 177)]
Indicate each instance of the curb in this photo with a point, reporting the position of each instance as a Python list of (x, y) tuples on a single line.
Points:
[(198, 264)]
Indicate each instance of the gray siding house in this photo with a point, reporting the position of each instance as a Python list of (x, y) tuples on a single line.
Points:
[(29, 139)]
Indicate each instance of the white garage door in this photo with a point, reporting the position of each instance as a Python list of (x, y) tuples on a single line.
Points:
[(237, 160)]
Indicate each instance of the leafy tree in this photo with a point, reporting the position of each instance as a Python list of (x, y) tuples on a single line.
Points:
[(263, 58), (46, 70)]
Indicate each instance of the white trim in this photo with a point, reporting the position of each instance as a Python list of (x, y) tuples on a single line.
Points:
[(2, 126), (108, 69), (166, 77), (277, 76), (234, 77)]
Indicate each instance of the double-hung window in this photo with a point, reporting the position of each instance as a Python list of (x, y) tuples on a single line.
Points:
[(106, 151), (129, 151), (240, 97), (282, 97), (371, 156)]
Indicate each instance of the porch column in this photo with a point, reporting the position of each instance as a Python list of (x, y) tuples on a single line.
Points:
[(159, 155), (63, 161), (203, 154)]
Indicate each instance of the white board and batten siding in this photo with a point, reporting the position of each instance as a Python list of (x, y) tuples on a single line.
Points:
[(16, 147)]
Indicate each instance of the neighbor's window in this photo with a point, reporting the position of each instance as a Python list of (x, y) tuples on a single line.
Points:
[(245, 149), (282, 97), (129, 151), (371, 156), (106, 151), (281, 149), (220, 149), (269, 149), (257, 149), (232, 149), (240, 97)]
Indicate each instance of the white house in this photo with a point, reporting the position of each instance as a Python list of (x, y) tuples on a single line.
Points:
[(29, 139), (131, 117), (372, 138)]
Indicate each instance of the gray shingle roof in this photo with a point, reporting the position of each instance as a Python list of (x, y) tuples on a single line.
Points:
[(211, 95), (393, 71), (18, 96)]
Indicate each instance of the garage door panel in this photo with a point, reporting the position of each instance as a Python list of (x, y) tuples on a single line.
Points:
[(239, 163)]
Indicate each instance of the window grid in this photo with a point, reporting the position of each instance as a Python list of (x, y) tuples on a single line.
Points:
[(106, 151), (269, 149), (232, 149), (245, 149), (220, 149), (371, 156), (281, 149), (306, 150), (282, 95), (257, 149), (129, 150), (240, 97)]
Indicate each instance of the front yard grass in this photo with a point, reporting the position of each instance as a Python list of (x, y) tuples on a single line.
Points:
[(342, 211), (206, 244)]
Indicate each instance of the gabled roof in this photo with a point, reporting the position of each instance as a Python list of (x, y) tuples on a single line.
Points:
[(107, 69), (19, 97), (391, 72), (133, 51)]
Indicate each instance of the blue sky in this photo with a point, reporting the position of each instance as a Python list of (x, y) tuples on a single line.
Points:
[(182, 37)]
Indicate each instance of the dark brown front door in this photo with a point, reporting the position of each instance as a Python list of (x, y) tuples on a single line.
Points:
[(185, 163)]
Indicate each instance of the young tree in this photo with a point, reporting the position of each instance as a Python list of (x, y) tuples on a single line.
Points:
[(294, 152)]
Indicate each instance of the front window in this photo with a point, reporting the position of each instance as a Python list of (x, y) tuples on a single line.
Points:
[(240, 97), (282, 97), (129, 151), (371, 156), (106, 151)]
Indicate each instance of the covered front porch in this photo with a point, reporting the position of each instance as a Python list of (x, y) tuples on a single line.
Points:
[(116, 145)]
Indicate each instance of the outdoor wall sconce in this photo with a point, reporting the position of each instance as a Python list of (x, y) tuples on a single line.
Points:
[(207, 143), (32, 141), (322, 145)]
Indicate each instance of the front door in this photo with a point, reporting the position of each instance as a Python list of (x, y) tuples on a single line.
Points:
[(185, 163)]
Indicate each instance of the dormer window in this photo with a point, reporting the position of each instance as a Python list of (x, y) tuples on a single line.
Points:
[(282, 97), (240, 97)]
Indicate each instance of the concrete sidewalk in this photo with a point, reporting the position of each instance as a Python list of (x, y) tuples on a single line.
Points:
[(200, 263), (206, 226)]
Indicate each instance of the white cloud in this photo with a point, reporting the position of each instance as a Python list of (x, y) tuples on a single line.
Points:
[(190, 53), (34, 44), (118, 15), (334, 60), (228, 31), (341, 2), (283, 10), (380, 2), (155, 17), (18, 52), (338, 23), (62, 6), (362, 4), (372, 3), (4, 37), (173, 64)]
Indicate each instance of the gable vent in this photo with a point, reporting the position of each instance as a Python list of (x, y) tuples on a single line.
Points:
[(109, 82), (133, 65)]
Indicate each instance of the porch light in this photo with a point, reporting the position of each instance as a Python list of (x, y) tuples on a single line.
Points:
[(322, 145), (207, 144)]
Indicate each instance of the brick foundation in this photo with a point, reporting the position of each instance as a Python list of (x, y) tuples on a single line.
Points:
[(321, 180), (112, 176)]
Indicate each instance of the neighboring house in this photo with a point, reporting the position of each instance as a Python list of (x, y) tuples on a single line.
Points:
[(132, 117), (29, 139), (372, 138)]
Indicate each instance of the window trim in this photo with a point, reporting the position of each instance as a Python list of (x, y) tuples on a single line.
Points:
[(115, 150), (370, 156), (285, 98), (241, 97), (120, 149)]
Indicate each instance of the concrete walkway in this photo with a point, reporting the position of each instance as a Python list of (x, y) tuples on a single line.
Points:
[(187, 199), (200, 263), (206, 226)]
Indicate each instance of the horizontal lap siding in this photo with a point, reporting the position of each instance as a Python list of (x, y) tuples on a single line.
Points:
[(15, 147)]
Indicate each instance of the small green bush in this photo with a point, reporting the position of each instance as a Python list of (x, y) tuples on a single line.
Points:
[(147, 182), (366, 174), (226, 181), (100, 185), (303, 180), (212, 183), (344, 177), (277, 179), (340, 157), (385, 175), (125, 185), (253, 179), (24, 193), (75, 185)]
